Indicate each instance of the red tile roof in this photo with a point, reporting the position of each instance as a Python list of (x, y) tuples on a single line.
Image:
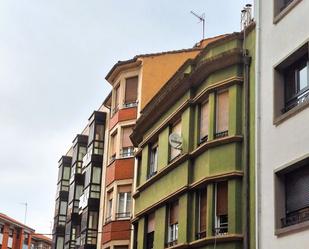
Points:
[(10, 220), (37, 236)]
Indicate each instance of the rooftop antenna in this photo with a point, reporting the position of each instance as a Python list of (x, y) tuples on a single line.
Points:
[(202, 19), (245, 21), (26, 207)]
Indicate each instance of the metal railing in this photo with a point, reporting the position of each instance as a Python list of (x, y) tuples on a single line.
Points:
[(123, 215), (220, 231), (200, 235), (130, 104), (301, 97), (221, 134), (127, 152), (295, 218)]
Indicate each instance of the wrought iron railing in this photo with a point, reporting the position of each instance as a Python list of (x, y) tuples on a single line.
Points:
[(221, 134), (301, 97), (200, 235), (130, 104), (222, 230), (123, 215), (295, 218)]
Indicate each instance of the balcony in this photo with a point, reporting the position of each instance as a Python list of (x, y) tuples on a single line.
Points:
[(123, 115), (221, 134), (130, 104), (298, 99)]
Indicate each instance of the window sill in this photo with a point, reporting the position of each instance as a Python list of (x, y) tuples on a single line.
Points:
[(292, 229), (285, 11), (280, 119)]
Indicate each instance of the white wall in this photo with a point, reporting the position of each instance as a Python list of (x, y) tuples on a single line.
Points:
[(290, 140)]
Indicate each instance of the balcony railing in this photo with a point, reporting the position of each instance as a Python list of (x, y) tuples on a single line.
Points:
[(222, 230), (127, 152), (301, 97), (123, 215), (295, 218), (108, 219), (221, 134), (130, 104), (172, 243)]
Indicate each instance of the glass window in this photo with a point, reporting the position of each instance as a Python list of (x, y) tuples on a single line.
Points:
[(93, 220), (221, 208), (173, 223), (204, 120), (96, 175), (153, 162), (66, 173), (174, 152), (63, 207), (113, 146), (99, 132), (124, 205), (81, 153), (131, 91), (150, 231), (60, 243)]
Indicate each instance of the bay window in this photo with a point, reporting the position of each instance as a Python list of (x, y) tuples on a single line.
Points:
[(124, 203)]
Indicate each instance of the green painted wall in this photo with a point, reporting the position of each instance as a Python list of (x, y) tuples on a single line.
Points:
[(216, 160)]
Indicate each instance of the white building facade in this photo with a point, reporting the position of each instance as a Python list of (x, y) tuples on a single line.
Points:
[(282, 149)]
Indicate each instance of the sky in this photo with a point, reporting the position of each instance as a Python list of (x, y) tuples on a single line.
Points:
[(54, 56)]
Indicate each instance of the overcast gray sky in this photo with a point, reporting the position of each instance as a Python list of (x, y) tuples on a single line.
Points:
[(54, 55)]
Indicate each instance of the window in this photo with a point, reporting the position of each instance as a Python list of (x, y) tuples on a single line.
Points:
[(60, 243), (124, 202), (127, 147), (93, 220), (174, 152), (173, 224), (221, 222), (116, 98), (113, 146), (26, 237), (150, 231), (204, 120), (222, 114), (153, 160), (292, 195), (202, 209), (109, 206), (1, 228), (280, 5), (131, 92), (291, 87)]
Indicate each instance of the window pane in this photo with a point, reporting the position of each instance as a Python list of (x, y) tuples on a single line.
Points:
[(93, 220), (81, 153), (96, 176), (121, 201), (303, 78), (66, 173), (173, 151), (63, 207), (131, 90), (99, 133)]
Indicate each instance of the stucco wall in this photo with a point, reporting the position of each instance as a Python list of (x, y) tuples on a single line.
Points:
[(290, 140)]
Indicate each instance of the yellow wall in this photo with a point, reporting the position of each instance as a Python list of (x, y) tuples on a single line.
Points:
[(158, 69)]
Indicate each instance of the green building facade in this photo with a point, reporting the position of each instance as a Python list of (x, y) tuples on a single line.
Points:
[(197, 190)]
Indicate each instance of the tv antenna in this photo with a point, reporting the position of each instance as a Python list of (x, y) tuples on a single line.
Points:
[(26, 207), (202, 19)]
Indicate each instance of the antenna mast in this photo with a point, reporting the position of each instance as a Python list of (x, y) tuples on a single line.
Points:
[(202, 19)]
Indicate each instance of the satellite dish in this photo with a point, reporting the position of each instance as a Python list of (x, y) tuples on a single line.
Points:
[(175, 140)]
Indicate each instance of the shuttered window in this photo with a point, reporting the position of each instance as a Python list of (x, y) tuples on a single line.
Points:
[(297, 189), (204, 120), (174, 210), (131, 89), (113, 144), (222, 198), (222, 113), (151, 223), (126, 141), (173, 151), (202, 210)]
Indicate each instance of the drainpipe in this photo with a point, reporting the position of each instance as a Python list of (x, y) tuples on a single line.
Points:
[(246, 61), (258, 7)]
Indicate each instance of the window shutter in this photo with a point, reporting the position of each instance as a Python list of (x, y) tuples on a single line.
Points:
[(151, 223), (126, 141), (131, 90), (203, 209), (222, 198), (297, 189), (222, 112), (204, 118), (174, 208)]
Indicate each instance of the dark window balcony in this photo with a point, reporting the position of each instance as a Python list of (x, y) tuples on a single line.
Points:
[(200, 235), (221, 134), (295, 218)]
